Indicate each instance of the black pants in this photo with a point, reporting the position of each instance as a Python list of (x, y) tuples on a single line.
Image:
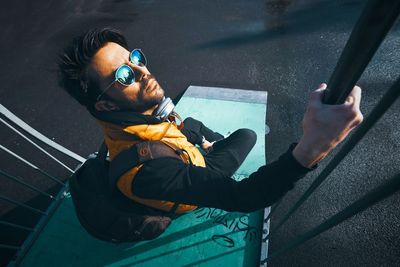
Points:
[(228, 153)]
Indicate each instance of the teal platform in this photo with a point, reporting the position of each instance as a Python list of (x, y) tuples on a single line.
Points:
[(204, 237)]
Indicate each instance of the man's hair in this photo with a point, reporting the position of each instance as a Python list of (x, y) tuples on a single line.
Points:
[(73, 62)]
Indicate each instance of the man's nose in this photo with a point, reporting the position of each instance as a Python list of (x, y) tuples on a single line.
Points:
[(141, 72)]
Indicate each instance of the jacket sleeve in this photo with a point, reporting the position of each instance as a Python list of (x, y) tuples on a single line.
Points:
[(172, 180)]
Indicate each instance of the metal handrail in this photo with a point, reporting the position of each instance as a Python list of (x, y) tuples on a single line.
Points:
[(16, 225), (15, 202), (384, 104), (21, 182), (32, 165), (56, 200), (21, 252), (20, 123), (9, 247), (379, 193), (36, 145), (376, 19)]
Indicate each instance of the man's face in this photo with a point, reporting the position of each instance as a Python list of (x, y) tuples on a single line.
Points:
[(141, 96)]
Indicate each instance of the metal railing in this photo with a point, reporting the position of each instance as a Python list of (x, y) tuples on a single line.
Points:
[(55, 199), (369, 32)]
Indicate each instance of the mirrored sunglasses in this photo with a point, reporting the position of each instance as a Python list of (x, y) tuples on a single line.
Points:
[(124, 74)]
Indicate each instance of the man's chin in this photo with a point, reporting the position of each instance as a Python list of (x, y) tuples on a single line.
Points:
[(160, 92), (151, 104)]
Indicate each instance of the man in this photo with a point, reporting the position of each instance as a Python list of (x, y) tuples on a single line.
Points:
[(99, 71)]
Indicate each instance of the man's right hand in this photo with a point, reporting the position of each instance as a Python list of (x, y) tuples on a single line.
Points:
[(325, 126), (206, 145)]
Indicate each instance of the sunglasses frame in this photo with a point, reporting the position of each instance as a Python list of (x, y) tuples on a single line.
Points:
[(124, 65)]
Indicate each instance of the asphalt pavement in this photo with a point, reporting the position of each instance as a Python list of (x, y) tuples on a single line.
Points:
[(281, 46)]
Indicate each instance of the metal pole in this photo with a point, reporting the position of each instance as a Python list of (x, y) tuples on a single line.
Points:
[(36, 145), (374, 23), (39, 227), (20, 181), (273, 209), (377, 194), (31, 165), (20, 123), (9, 247), (21, 204), (384, 104), (16, 226)]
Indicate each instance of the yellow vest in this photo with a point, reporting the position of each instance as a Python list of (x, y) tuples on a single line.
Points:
[(119, 138)]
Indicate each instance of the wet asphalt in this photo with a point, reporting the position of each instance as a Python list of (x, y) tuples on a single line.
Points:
[(284, 47)]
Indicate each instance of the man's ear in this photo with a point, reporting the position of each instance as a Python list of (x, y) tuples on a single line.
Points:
[(104, 105)]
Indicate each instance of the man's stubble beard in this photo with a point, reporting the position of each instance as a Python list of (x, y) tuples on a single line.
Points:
[(150, 101)]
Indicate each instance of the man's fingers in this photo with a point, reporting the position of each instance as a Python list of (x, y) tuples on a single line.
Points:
[(352, 107), (354, 97), (317, 94), (322, 86)]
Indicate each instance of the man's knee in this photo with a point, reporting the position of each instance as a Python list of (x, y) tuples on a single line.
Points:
[(246, 135), (191, 123), (188, 119)]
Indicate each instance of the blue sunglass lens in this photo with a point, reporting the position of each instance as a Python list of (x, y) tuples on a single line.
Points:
[(138, 58), (125, 75)]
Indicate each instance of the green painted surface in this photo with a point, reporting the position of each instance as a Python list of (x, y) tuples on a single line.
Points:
[(204, 237)]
